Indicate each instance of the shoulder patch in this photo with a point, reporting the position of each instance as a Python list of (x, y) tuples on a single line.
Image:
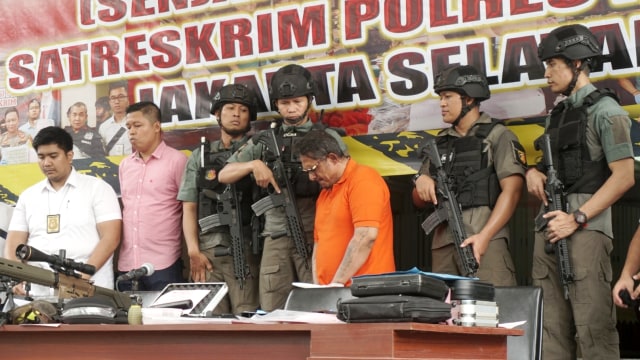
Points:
[(518, 153), (210, 175)]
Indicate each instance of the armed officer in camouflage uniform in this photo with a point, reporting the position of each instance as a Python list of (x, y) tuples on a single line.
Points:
[(210, 253), (592, 153), (291, 91), (488, 165)]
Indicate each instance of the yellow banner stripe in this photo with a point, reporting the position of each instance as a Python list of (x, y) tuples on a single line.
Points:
[(366, 155)]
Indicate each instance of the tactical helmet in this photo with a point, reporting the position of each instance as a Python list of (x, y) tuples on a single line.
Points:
[(465, 80), (291, 81), (574, 42), (236, 93)]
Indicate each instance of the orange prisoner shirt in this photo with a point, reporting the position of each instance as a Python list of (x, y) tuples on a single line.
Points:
[(359, 199)]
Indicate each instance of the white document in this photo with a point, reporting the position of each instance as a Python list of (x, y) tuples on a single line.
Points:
[(304, 285), (289, 316), (174, 316), (512, 325)]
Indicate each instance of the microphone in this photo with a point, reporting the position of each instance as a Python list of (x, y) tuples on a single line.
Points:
[(29, 253), (145, 270)]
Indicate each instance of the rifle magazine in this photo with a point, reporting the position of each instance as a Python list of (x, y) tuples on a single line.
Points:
[(209, 223), (261, 206), (432, 221), (540, 223)]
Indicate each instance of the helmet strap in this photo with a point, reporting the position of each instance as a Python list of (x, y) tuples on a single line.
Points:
[(464, 110), (576, 72), (298, 119)]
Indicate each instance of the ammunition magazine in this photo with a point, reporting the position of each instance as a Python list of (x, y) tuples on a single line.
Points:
[(210, 222), (432, 221), (540, 222), (267, 203)]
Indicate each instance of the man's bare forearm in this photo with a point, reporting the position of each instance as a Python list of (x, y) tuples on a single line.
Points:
[(356, 254), (190, 226), (110, 232)]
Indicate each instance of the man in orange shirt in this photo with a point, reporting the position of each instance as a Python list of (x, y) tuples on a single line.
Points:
[(353, 230)]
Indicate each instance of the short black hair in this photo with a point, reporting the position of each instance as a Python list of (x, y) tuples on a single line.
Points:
[(118, 84), (318, 144), (53, 135), (150, 110)]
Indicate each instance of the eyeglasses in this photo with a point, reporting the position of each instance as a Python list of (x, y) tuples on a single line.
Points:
[(312, 170), (117, 98)]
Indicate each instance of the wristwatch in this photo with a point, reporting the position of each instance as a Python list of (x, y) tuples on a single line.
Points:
[(415, 178), (580, 218)]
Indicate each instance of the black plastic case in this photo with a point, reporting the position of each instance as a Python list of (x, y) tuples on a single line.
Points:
[(472, 290), (97, 309), (393, 308), (399, 284)]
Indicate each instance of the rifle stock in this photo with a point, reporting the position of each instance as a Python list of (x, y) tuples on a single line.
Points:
[(556, 198), (448, 210), (286, 198), (68, 286)]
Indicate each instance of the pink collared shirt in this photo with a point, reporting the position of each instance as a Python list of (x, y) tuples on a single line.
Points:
[(152, 216)]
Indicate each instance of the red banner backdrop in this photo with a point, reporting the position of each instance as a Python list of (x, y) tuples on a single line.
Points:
[(374, 62)]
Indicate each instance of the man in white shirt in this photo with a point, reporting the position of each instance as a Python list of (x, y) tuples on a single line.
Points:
[(34, 122), (68, 210), (113, 131)]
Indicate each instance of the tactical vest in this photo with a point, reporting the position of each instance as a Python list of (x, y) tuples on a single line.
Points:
[(474, 181), (567, 130), (209, 186), (300, 183)]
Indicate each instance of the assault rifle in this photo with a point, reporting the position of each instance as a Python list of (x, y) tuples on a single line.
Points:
[(556, 199), (448, 210), (69, 286), (230, 214), (286, 198)]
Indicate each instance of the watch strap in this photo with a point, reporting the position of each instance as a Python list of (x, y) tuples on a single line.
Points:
[(415, 177), (580, 218)]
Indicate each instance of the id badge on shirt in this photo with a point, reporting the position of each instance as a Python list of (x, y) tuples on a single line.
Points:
[(53, 224)]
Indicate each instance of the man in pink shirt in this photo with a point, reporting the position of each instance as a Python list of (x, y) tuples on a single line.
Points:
[(152, 216)]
